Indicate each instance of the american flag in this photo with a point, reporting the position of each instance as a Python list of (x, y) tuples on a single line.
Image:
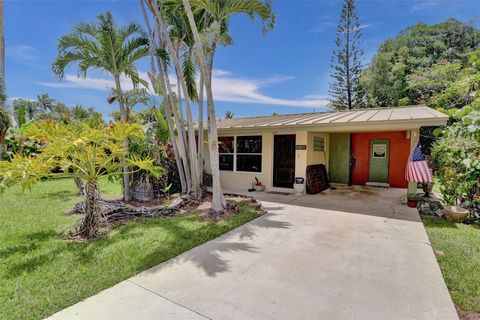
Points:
[(417, 168)]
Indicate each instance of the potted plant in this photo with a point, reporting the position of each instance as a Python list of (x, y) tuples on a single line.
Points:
[(258, 185), (412, 200)]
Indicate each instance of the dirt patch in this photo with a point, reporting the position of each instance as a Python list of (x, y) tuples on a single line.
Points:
[(472, 315)]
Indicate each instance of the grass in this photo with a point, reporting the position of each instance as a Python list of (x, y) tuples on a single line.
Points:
[(41, 273), (460, 261)]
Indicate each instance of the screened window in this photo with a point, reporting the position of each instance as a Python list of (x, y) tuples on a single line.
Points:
[(240, 153), (318, 144)]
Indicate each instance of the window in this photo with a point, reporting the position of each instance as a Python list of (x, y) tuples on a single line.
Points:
[(226, 152), (249, 153), (318, 144), (240, 153)]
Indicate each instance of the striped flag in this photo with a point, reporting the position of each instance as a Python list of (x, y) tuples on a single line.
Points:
[(417, 168)]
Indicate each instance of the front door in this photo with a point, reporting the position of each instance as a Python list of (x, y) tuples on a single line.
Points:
[(379, 159), (284, 160)]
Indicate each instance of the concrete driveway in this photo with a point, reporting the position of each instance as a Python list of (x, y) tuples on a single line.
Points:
[(371, 260)]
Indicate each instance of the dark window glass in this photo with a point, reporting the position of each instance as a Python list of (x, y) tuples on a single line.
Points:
[(226, 162), (249, 144), (249, 163), (225, 144)]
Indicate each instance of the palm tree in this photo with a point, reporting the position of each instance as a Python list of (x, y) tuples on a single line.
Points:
[(2, 45), (113, 49), (229, 115), (217, 15), (45, 102)]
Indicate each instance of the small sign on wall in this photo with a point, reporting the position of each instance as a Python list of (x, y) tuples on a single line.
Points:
[(379, 151), (301, 147)]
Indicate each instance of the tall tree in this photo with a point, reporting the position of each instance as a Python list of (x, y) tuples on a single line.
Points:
[(346, 61), (2, 44), (217, 15), (45, 102), (418, 63), (4, 115), (103, 45)]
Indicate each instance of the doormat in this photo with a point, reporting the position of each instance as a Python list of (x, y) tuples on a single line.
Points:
[(280, 193)]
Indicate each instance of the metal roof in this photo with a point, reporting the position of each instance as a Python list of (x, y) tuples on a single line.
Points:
[(412, 114)]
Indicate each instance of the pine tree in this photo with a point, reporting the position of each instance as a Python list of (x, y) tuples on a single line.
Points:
[(346, 61)]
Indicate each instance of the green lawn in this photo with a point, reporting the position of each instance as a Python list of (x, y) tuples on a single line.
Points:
[(460, 262), (41, 273)]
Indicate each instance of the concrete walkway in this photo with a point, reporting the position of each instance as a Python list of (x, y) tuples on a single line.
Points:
[(372, 260)]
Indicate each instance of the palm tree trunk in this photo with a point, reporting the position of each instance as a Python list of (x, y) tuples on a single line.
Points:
[(217, 196), (200, 129), (90, 225), (80, 186), (2, 44), (192, 153), (123, 115), (2, 149), (180, 131), (170, 107), (171, 127)]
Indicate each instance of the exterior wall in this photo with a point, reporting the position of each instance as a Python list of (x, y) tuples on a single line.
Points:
[(399, 153), (339, 157), (317, 157), (243, 180), (335, 156)]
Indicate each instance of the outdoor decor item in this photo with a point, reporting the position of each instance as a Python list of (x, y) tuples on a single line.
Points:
[(412, 200), (317, 178), (455, 213), (417, 168), (258, 185)]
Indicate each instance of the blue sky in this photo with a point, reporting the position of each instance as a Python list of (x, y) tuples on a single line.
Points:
[(284, 71)]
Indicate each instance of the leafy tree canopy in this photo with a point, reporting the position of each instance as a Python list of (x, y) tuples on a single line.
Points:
[(418, 63)]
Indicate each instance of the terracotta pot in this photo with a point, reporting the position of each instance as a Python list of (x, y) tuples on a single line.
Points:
[(455, 213), (412, 202)]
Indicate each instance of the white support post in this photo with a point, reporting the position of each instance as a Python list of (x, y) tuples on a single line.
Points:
[(414, 138)]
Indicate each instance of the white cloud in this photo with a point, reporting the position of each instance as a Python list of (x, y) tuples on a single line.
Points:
[(322, 26), (22, 52), (227, 87), (424, 5)]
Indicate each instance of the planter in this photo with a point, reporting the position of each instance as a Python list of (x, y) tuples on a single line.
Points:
[(455, 213), (142, 191), (259, 188), (427, 188), (412, 201)]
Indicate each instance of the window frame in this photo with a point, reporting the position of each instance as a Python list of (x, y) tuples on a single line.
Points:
[(235, 153)]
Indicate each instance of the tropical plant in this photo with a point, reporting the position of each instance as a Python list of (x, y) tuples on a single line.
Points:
[(457, 156), (45, 102), (229, 115), (217, 16), (105, 46), (173, 31), (5, 123), (16, 142), (411, 55), (346, 61), (76, 151)]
